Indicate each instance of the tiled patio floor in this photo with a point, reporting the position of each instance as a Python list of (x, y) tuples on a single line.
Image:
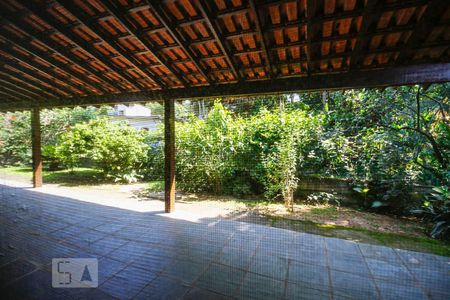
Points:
[(153, 256)]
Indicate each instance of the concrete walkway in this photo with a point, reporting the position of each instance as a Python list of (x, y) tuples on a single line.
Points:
[(151, 255)]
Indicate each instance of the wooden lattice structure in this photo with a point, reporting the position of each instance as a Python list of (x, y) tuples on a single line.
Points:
[(69, 52), (88, 52)]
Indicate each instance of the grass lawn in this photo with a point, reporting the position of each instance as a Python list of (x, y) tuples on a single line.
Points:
[(79, 176)]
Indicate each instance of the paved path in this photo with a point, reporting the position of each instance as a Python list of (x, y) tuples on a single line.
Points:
[(151, 255)]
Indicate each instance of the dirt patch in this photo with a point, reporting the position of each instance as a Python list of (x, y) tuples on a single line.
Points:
[(344, 216)]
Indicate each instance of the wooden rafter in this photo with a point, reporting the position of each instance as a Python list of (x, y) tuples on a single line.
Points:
[(41, 37), (19, 89), (209, 19), (85, 21), (168, 23), (88, 47), (415, 74), (85, 85), (49, 70), (13, 79), (310, 12), (14, 94), (261, 36), (430, 17), (368, 17), (42, 81), (119, 14), (342, 15)]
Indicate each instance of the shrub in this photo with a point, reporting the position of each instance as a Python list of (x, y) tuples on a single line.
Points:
[(436, 210), (206, 150), (117, 149), (323, 198), (226, 153)]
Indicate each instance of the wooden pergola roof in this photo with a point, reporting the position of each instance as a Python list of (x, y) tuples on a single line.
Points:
[(79, 52)]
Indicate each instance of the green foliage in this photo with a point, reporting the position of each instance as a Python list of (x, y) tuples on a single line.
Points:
[(206, 150), (436, 210), (226, 153), (15, 138), (117, 149), (323, 198), (15, 132)]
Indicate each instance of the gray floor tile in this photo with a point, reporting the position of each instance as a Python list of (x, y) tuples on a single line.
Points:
[(15, 270), (106, 245), (238, 258), (85, 240), (201, 294), (158, 257), (129, 252), (310, 257), (432, 280), (153, 262), (270, 265), (37, 285), (163, 288), (107, 268), (348, 263), (187, 271), (347, 285), (385, 270), (380, 253), (337, 245), (309, 275), (128, 282), (221, 279), (300, 291), (392, 291), (260, 287)]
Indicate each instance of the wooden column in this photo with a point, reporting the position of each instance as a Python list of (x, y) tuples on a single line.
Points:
[(36, 145), (169, 152)]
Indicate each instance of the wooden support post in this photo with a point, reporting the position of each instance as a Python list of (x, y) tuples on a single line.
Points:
[(169, 151), (36, 145)]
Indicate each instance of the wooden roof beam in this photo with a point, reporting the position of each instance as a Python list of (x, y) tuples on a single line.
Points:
[(119, 14), (19, 88), (44, 15), (169, 24), (85, 21), (368, 17), (319, 19), (50, 71), (13, 94), (258, 25), (215, 32), (311, 6), (65, 52), (55, 64), (44, 93), (423, 27), (41, 80), (407, 75)]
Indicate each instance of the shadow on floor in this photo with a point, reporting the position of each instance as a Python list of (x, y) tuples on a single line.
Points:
[(153, 255)]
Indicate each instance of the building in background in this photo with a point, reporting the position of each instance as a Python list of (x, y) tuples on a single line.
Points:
[(137, 116)]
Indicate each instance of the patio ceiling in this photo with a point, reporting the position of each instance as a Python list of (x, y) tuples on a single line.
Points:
[(66, 53)]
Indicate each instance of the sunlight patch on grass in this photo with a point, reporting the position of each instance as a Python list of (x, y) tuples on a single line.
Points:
[(77, 176), (16, 170), (155, 186)]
